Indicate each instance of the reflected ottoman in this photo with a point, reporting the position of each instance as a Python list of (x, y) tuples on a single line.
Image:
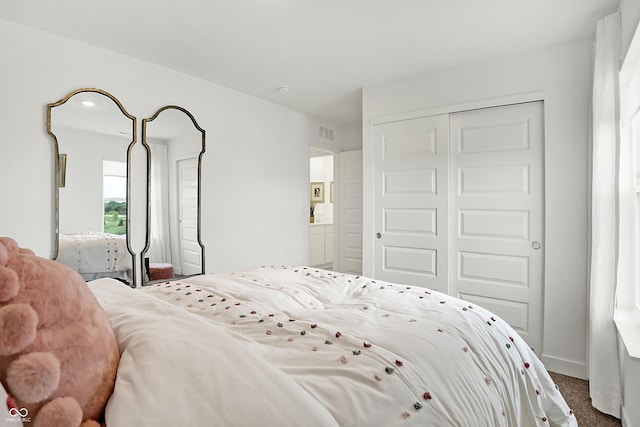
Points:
[(160, 271)]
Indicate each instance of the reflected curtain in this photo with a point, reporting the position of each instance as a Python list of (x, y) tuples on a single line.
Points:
[(603, 363), (160, 248)]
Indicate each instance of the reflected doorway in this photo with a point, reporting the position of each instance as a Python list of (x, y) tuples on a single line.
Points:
[(321, 201), (190, 262)]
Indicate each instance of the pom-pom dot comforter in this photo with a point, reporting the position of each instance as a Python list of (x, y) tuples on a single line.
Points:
[(296, 346)]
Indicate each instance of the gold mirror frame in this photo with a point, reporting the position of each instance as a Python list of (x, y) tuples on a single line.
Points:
[(145, 268), (60, 171)]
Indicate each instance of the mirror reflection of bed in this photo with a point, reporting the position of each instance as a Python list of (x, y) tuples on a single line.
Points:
[(92, 134), (175, 143), (96, 255)]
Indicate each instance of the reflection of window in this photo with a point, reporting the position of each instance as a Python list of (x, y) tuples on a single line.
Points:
[(114, 195)]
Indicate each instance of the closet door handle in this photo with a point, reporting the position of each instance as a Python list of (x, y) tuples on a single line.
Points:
[(536, 245), (378, 235)]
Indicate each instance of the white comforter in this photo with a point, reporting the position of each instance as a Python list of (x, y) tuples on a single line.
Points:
[(306, 347), (95, 255)]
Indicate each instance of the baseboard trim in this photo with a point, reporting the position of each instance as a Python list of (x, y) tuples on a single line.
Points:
[(565, 367)]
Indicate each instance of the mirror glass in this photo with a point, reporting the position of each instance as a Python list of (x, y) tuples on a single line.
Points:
[(175, 144), (92, 134)]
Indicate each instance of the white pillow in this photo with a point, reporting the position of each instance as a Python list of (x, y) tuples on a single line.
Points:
[(176, 368)]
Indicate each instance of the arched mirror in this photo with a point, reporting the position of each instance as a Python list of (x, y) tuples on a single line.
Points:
[(175, 144), (92, 135)]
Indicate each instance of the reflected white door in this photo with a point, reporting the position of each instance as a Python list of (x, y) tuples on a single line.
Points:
[(410, 202), (190, 249), (496, 213)]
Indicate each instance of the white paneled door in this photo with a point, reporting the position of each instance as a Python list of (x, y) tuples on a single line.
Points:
[(349, 259), (190, 250), (497, 213), (410, 202), (458, 207)]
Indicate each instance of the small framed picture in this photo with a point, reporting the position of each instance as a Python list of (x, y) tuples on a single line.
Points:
[(62, 170), (317, 192)]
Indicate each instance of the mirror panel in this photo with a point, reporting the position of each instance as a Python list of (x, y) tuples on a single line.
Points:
[(175, 145), (92, 135)]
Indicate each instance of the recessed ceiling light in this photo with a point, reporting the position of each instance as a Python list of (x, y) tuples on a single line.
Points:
[(284, 89)]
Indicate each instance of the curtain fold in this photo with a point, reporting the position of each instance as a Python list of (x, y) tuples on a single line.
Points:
[(159, 247), (603, 362)]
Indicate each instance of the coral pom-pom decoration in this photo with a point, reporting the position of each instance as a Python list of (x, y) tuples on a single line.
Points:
[(9, 284), (62, 411), (34, 376), (11, 403), (18, 323)]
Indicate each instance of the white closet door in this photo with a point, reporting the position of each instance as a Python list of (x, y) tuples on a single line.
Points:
[(496, 157), (410, 202)]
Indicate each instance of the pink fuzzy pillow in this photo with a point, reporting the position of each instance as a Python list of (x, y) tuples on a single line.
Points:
[(58, 353)]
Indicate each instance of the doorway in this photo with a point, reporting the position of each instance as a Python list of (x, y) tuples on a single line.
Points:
[(321, 208)]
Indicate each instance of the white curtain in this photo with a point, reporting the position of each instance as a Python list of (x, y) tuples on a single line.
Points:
[(159, 248), (603, 364)]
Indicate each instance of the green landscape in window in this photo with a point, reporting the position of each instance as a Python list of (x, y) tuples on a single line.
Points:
[(115, 217)]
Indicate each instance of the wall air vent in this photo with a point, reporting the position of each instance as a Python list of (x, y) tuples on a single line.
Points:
[(326, 133)]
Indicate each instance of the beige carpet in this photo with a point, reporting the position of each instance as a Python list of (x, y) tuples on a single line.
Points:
[(576, 393)]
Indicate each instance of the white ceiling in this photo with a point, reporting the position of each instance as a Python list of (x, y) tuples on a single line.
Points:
[(324, 50)]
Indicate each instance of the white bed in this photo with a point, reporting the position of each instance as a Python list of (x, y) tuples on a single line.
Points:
[(96, 255), (294, 346)]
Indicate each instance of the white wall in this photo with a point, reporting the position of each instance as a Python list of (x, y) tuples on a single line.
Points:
[(352, 138), (255, 170), (562, 75), (630, 16)]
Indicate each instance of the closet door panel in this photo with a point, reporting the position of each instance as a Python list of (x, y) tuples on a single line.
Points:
[(497, 213)]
